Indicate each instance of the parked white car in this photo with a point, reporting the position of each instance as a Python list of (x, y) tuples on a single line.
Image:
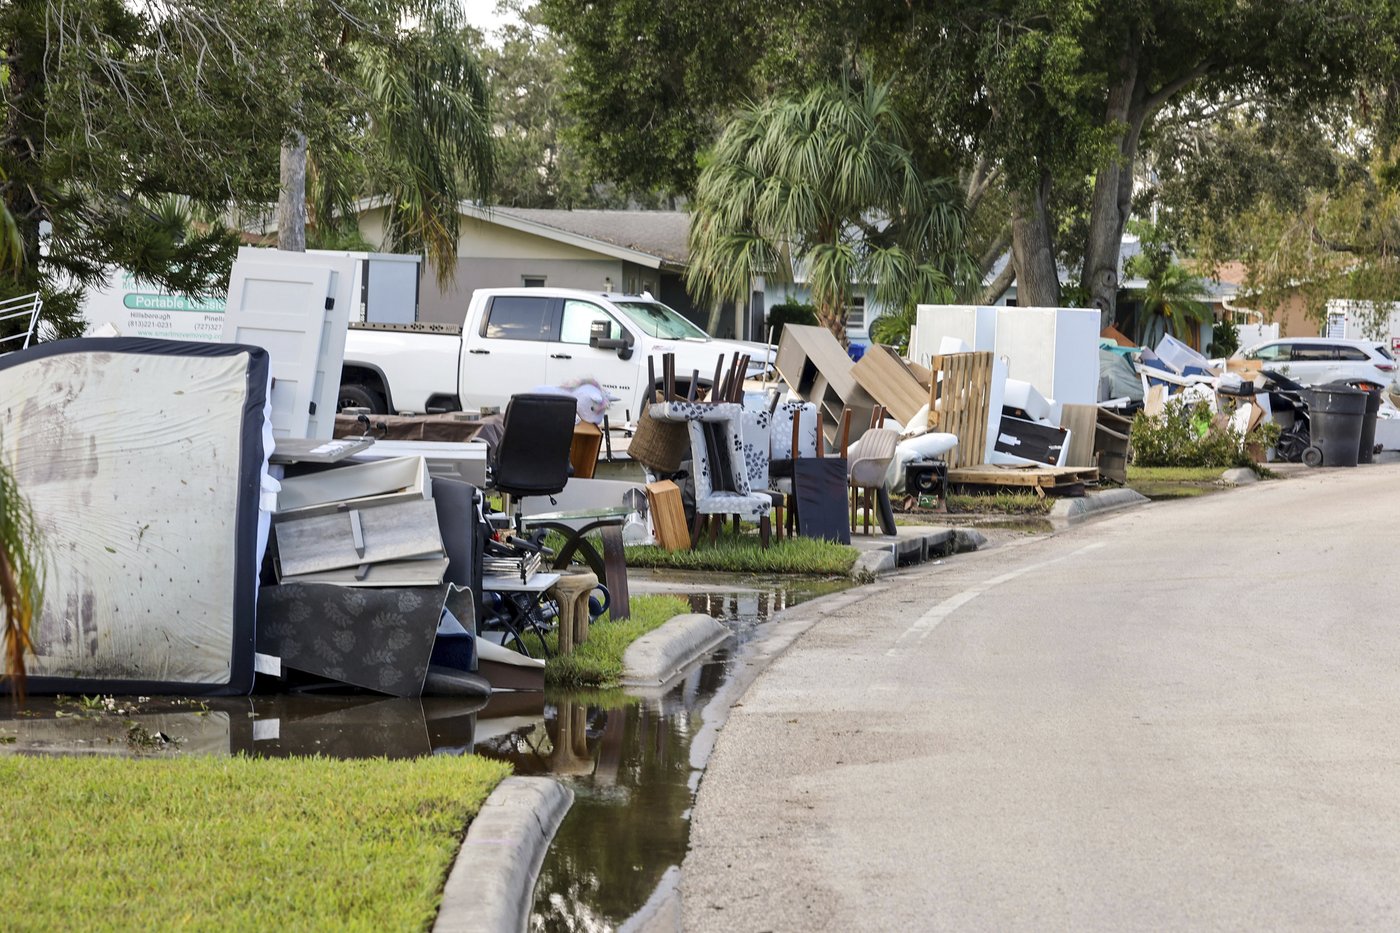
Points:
[(1316, 360)]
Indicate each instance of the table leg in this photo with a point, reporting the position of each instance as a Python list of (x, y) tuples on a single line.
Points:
[(615, 562)]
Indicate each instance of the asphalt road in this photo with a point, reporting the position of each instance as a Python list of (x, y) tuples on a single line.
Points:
[(1186, 716)]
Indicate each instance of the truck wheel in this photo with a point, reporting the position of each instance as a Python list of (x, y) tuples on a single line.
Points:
[(354, 395)]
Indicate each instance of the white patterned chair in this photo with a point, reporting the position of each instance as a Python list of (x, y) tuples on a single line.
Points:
[(719, 468)]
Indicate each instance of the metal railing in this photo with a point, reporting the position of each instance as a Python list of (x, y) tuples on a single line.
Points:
[(12, 309)]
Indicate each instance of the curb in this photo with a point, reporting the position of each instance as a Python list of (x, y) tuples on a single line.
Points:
[(492, 882), (917, 549), (1076, 510), (661, 654)]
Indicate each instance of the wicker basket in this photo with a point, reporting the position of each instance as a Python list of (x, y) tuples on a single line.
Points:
[(660, 446)]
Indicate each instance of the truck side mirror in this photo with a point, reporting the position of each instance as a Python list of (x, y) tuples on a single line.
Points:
[(599, 339)]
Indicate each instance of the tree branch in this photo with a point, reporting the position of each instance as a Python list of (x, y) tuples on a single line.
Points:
[(999, 285), (995, 249), (1169, 90), (1328, 243)]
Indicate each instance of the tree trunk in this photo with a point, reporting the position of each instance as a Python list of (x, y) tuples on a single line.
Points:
[(291, 200), (1113, 189), (1033, 250), (833, 318)]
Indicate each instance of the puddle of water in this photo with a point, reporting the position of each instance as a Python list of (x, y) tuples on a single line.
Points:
[(628, 760)]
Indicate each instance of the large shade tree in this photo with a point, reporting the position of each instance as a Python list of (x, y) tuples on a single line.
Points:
[(1307, 196), (111, 108), (1041, 93), (825, 181), (410, 125)]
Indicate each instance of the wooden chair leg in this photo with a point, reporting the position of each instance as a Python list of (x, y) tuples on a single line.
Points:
[(697, 529), (715, 522), (736, 524), (851, 494), (869, 507), (765, 531)]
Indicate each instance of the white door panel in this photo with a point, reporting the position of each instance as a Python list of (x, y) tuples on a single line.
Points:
[(293, 311)]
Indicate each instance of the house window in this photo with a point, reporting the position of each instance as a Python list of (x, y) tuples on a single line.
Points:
[(532, 281), (855, 313)]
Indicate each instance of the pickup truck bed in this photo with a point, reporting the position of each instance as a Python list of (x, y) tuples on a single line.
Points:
[(402, 367)]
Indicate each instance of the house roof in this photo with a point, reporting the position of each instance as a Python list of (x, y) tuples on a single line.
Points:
[(654, 239)]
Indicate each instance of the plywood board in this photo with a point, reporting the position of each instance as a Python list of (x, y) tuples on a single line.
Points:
[(1155, 401), (668, 515), (889, 382), (583, 451), (1082, 421)]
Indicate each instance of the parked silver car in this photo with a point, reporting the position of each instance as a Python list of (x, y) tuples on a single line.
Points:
[(1316, 360)]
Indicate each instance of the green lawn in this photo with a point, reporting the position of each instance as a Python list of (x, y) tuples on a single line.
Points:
[(233, 843), (598, 661), (743, 554)]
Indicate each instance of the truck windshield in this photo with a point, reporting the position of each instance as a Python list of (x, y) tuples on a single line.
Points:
[(657, 320)]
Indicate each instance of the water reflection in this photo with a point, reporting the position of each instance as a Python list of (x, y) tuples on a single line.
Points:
[(628, 759)]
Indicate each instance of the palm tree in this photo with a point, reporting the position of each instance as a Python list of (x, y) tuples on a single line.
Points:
[(1171, 293), (423, 142), (825, 180), (21, 577)]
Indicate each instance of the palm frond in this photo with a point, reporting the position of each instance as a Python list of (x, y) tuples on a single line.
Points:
[(21, 577)]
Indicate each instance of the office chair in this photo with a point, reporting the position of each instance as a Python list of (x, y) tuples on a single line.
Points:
[(532, 457)]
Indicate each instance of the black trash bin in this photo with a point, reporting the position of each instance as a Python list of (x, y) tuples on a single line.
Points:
[(1367, 450), (1336, 414)]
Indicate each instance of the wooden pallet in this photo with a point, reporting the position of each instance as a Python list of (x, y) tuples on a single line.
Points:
[(1055, 481), (888, 380), (958, 403)]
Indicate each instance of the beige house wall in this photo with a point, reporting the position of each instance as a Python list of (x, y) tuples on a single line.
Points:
[(493, 256)]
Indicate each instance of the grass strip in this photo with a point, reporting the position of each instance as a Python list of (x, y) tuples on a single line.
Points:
[(238, 843), (743, 554), (1000, 503), (1142, 474), (597, 663)]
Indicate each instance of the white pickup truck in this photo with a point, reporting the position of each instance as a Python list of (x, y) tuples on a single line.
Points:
[(514, 339)]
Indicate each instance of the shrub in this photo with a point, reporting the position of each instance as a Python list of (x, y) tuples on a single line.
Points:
[(1224, 339), (790, 312), (1187, 436)]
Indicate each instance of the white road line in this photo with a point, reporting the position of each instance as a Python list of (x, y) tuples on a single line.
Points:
[(930, 620)]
